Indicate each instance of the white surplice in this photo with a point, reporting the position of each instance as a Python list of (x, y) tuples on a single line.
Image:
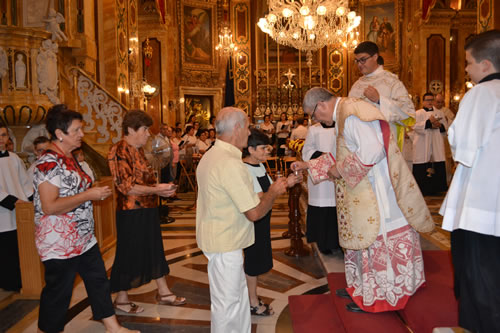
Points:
[(473, 200), (428, 144), (395, 103), (323, 140), (14, 180)]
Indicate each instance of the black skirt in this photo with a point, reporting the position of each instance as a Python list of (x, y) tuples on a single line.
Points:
[(322, 227), (139, 257), (259, 256)]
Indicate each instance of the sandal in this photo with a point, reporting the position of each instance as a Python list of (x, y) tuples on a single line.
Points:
[(134, 308), (267, 312), (176, 302)]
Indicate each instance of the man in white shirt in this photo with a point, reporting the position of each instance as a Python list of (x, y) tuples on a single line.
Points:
[(429, 167), (14, 186), (471, 208), (226, 207), (382, 89)]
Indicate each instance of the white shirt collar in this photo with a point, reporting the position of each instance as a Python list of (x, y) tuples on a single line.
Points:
[(379, 69)]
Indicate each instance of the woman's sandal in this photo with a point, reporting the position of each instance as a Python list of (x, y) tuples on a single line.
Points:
[(134, 308), (176, 302), (254, 310)]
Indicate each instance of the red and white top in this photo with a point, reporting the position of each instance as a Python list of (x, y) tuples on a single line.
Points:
[(66, 235)]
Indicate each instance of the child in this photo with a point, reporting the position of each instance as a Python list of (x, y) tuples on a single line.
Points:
[(471, 208)]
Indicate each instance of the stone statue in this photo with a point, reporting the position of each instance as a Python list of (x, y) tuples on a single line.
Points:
[(20, 72), (3, 63), (52, 25), (48, 76)]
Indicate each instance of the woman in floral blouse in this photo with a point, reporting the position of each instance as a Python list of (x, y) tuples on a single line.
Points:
[(64, 227), (139, 249)]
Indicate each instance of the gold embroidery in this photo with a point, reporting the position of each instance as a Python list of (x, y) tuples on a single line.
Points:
[(371, 220), (356, 201), (410, 210), (412, 185), (395, 175)]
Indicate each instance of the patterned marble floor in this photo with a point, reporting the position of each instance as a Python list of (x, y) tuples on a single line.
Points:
[(188, 278)]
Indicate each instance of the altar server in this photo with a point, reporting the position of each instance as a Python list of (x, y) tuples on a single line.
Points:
[(471, 208), (14, 186)]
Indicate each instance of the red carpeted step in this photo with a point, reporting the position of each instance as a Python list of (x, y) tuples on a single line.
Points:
[(435, 304), (314, 313), (362, 322)]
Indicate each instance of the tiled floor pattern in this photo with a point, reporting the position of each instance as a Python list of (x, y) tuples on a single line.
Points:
[(188, 278)]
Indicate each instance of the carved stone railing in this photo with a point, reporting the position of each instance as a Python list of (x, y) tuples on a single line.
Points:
[(102, 112)]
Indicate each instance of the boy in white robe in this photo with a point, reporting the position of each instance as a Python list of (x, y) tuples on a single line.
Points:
[(471, 208), (14, 187), (382, 89)]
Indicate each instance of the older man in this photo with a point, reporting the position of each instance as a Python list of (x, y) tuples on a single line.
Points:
[(379, 206), (382, 89), (226, 207)]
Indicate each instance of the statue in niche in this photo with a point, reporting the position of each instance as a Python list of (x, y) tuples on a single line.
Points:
[(3, 63), (47, 70), (52, 25), (20, 72)]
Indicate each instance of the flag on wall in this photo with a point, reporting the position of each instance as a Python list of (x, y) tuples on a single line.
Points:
[(229, 95), (427, 5)]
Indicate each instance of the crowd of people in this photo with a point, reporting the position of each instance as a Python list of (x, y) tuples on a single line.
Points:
[(387, 157)]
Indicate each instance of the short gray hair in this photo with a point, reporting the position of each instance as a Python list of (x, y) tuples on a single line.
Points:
[(228, 118), (315, 95)]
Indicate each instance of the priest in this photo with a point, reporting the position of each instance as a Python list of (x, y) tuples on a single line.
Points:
[(14, 186), (379, 207), (429, 166)]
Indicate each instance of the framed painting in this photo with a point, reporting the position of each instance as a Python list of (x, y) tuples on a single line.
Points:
[(380, 24), (198, 22), (200, 107)]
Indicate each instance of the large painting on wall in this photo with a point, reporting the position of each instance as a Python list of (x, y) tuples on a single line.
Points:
[(380, 25), (198, 34)]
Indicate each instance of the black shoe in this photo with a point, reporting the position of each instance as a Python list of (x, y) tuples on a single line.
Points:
[(342, 293), (167, 220), (353, 307), (326, 251)]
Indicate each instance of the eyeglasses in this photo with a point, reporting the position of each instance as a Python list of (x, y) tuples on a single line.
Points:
[(362, 60), (315, 107)]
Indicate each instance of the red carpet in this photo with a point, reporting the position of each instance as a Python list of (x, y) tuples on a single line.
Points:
[(314, 313), (430, 307)]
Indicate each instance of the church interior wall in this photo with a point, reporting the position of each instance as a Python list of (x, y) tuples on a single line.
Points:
[(106, 40)]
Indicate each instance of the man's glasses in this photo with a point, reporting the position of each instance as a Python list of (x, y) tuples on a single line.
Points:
[(362, 60), (315, 107)]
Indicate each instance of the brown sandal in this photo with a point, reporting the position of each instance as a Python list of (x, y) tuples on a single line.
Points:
[(134, 308), (176, 302)]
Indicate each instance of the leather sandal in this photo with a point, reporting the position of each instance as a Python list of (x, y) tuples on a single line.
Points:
[(254, 310), (134, 308), (176, 302)]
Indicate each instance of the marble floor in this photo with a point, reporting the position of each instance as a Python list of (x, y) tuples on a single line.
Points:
[(188, 278)]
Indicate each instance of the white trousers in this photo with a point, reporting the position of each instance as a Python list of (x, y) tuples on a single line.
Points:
[(230, 308)]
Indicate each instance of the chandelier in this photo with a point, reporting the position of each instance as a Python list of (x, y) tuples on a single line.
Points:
[(309, 25), (226, 44)]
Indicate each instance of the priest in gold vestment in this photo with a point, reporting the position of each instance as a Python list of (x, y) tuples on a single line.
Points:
[(379, 206)]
